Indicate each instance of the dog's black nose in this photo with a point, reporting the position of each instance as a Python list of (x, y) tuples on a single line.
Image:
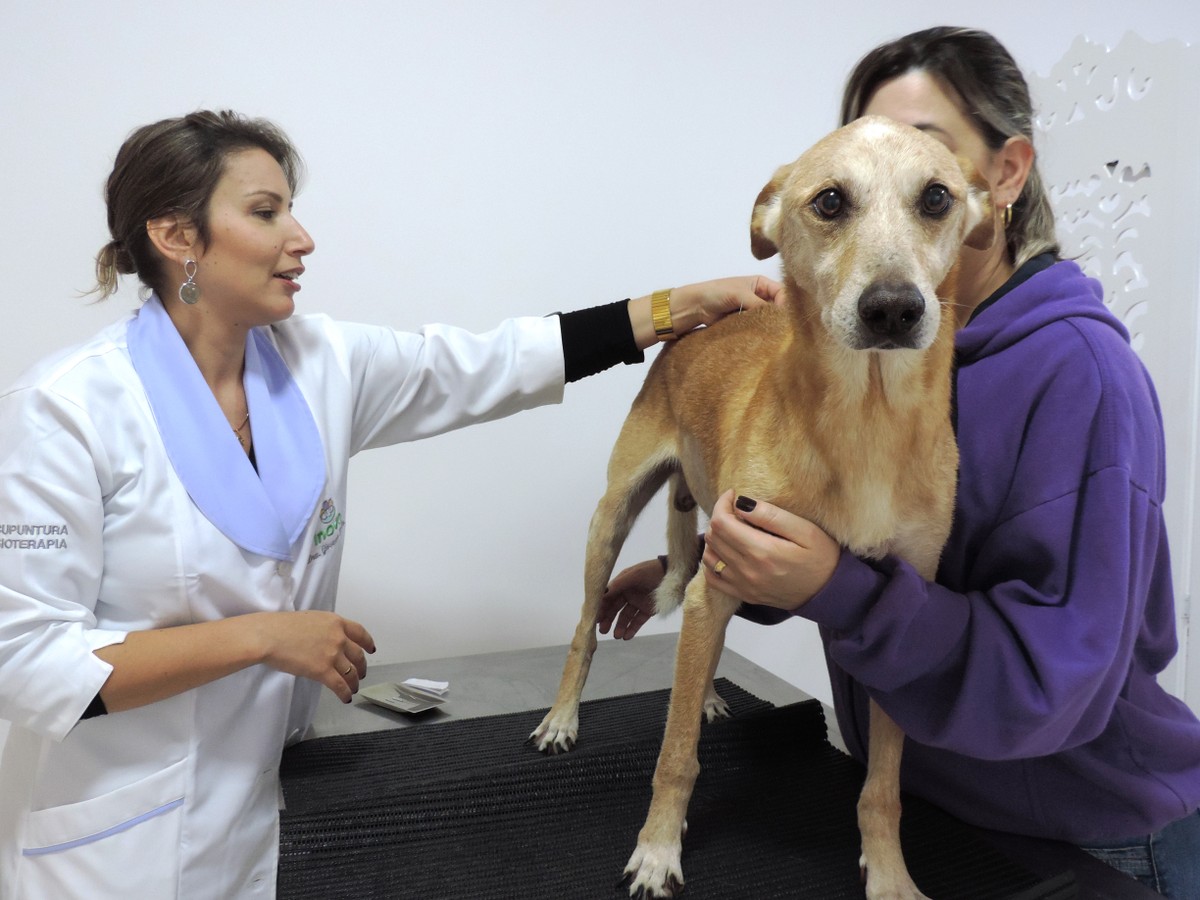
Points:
[(891, 310)]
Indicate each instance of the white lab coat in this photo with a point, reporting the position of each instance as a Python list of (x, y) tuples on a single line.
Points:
[(98, 537)]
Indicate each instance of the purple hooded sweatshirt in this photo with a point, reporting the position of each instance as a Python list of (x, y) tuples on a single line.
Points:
[(1024, 677)]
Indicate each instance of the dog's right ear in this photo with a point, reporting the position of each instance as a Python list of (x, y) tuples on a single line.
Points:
[(764, 221)]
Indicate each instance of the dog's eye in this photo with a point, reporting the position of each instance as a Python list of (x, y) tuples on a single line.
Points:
[(829, 203), (936, 200)]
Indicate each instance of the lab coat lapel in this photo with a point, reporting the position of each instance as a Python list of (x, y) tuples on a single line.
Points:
[(287, 445), (264, 515)]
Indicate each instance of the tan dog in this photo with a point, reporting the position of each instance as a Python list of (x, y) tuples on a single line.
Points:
[(834, 406)]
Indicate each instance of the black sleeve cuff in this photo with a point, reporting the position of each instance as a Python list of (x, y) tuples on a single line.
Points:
[(596, 339), (95, 708)]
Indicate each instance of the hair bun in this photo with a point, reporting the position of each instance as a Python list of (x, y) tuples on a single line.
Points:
[(121, 258), (112, 260)]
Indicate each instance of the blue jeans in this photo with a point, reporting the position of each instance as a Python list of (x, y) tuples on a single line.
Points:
[(1167, 861)]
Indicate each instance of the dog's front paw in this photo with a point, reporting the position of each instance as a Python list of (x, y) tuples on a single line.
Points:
[(888, 882), (654, 871), (714, 706), (556, 734)]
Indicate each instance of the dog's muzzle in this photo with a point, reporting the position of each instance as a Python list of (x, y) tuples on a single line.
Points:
[(888, 315)]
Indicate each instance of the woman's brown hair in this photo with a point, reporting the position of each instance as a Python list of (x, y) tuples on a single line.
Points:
[(995, 96)]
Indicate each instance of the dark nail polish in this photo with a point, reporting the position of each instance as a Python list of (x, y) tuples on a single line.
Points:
[(745, 504)]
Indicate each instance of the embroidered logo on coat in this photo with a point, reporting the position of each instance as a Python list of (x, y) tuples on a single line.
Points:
[(329, 530)]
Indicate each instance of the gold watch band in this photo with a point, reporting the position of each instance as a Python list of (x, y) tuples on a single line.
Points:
[(660, 315)]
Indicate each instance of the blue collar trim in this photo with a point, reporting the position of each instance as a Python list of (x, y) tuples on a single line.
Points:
[(263, 512)]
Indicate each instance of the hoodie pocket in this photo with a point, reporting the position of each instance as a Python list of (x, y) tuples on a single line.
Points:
[(123, 843)]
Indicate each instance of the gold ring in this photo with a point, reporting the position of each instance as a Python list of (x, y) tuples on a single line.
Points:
[(349, 669), (719, 567)]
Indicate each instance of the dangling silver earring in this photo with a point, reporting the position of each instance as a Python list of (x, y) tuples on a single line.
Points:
[(189, 291)]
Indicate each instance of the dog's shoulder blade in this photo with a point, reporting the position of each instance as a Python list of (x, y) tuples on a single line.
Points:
[(724, 349)]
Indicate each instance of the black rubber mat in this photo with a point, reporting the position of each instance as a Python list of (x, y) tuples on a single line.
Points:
[(466, 809)]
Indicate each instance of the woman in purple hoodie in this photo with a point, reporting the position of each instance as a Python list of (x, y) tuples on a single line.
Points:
[(1024, 676)]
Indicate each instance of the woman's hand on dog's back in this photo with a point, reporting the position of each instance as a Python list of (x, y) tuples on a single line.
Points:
[(702, 303), (711, 300)]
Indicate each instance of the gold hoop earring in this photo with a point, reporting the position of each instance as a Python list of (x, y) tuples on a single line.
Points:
[(1007, 217), (189, 291)]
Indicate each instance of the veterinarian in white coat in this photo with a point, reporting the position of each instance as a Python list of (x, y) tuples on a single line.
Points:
[(171, 517)]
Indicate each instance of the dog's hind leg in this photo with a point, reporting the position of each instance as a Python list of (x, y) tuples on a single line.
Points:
[(654, 869), (640, 464), (683, 547), (683, 558), (715, 706)]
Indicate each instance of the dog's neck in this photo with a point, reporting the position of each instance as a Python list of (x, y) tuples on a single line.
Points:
[(844, 381)]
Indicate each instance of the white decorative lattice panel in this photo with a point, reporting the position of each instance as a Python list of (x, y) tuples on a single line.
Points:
[(1118, 136)]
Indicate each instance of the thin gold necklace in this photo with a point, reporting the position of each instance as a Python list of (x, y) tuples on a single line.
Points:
[(237, 432)]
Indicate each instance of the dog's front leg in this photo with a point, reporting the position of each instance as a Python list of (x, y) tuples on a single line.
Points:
[(683, 555), (609, 527), (560, 727), (654, 869), (882, 859)]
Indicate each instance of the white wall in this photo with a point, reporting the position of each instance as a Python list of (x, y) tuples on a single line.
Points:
[(469, 161)]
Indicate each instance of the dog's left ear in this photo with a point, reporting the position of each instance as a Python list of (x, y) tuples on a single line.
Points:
[(981, 227), (764, 221)]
